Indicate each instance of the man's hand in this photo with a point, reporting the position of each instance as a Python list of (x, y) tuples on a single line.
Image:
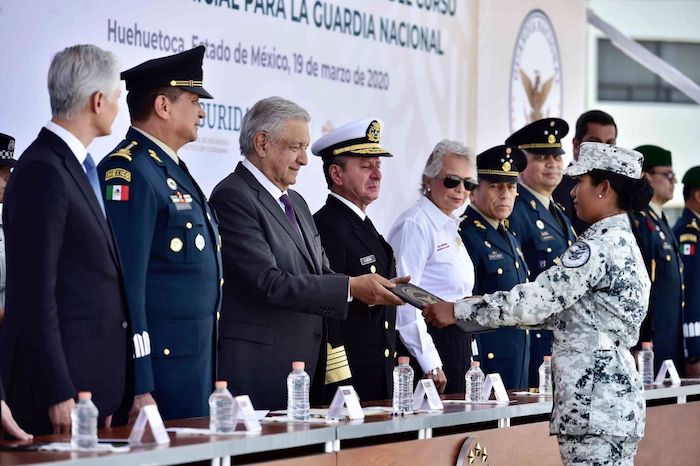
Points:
[(9, 425), (440, 379), (692, 369), (371, 289), (139, 402), (59, 415), (440, 314)]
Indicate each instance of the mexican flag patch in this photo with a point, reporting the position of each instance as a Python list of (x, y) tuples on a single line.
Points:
[(117, 192), (688, 249)]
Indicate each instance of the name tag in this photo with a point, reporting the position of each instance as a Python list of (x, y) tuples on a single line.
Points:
[(495, 256), (367, 259)]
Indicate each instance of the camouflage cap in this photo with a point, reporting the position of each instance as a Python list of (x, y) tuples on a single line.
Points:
[(596, 155)]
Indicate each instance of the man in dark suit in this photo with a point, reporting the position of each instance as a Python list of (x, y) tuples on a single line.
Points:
[(687, 231), (167, 236), (591, 126), (278, 284), (538, 222), (367, 339), (498, 261), (663, 324), (66, 323)]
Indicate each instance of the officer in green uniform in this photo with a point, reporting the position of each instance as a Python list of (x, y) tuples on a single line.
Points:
[(167, 237)]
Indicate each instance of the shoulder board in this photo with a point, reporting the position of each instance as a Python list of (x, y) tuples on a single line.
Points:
[(124, 152), (694, 225)]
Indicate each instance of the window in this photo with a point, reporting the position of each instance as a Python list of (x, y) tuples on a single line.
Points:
[(623, 79)]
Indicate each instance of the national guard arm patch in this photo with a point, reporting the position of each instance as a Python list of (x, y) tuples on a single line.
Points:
[(118, 173), (577, 255), (117, 192)]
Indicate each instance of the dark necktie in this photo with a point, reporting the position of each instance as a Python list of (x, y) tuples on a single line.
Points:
[(91, 172), (289, 210), (554, 210), (370, 226)]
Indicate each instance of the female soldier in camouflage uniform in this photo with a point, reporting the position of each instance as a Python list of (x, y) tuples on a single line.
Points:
[(594, 302)]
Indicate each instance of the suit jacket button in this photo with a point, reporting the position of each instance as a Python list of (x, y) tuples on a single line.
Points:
[(499, 271), (188, 225), (125, 325), (490, 355), (386, 324), (166, 352), (538, 335)]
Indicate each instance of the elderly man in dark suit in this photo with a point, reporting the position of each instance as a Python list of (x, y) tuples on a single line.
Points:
[(278, 284), (66, 324)]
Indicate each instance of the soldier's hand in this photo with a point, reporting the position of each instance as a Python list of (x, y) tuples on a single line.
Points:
[(9, 425), (440, 379), (405, 279), (440, 314), (139, 402), (59, 415), (371, 289)]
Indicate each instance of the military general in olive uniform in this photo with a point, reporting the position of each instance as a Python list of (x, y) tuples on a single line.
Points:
[(167, 237), (540, 224)]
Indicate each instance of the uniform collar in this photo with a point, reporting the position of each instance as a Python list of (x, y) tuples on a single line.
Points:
[(73, 143), (436, 216), (350, 205), (656, 208), (543, 199), (491, 221), (164, 147)]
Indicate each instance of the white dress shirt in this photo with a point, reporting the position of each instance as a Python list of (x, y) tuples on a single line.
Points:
[(428, 247), (73, 143)]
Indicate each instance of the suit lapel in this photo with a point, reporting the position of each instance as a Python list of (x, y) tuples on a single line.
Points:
[(276, 212), (308, 229), (81, 181)]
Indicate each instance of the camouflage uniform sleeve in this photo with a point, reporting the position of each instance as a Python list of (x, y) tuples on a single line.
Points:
[(583, 268)]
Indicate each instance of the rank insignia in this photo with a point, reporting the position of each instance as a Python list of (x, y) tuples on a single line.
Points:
[(117, 192), (688, 238), (533, 204), (154, 156), (124, 152), (118, 173), (478, 224)]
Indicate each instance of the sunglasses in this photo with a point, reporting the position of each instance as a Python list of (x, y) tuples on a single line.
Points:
[(452, 181)]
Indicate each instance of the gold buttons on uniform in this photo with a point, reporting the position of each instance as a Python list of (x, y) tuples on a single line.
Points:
[(538, 335), (386, 353), (570, 240), (395, 354), (490, 355), (188, 225), (218, 315), (668, 258), (208, 217), (166, 351), (176, 245), (517, 266), (221, 282), (373, 269), (499, 271), (549, 249), (386, 324)]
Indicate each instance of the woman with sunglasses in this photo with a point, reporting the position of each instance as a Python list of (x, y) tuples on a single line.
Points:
[(594, 302), (427, 246)]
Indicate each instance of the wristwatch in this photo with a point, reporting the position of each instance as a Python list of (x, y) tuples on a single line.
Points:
[(434, 371)]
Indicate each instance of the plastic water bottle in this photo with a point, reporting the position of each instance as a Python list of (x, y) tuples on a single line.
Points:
[(298, 393), (474, 383), (645, 362), (545, 373), (403, 387), (84, 422), (221, 409)]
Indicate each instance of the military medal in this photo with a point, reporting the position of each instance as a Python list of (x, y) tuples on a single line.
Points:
[(171, 183), (540, 224)]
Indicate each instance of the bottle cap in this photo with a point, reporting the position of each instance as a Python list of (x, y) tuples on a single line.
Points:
[(404, 359), (646, 345), (84, 395), (475, 364), (221, 384), (298, 365), (547, 358)]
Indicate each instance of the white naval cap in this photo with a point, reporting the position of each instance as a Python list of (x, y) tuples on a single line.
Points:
[(358, 138), (596, 155)]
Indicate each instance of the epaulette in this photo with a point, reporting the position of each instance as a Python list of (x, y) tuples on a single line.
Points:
[(693, 224), (124, 152)]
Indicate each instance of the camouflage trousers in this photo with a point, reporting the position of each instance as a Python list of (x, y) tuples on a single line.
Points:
[(594, 450)]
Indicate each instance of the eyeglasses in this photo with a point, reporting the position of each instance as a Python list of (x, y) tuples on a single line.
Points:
[(452, 181), (670, 175)]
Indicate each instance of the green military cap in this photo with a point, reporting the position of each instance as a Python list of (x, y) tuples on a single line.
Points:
[(691, 179), (654, 156)]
